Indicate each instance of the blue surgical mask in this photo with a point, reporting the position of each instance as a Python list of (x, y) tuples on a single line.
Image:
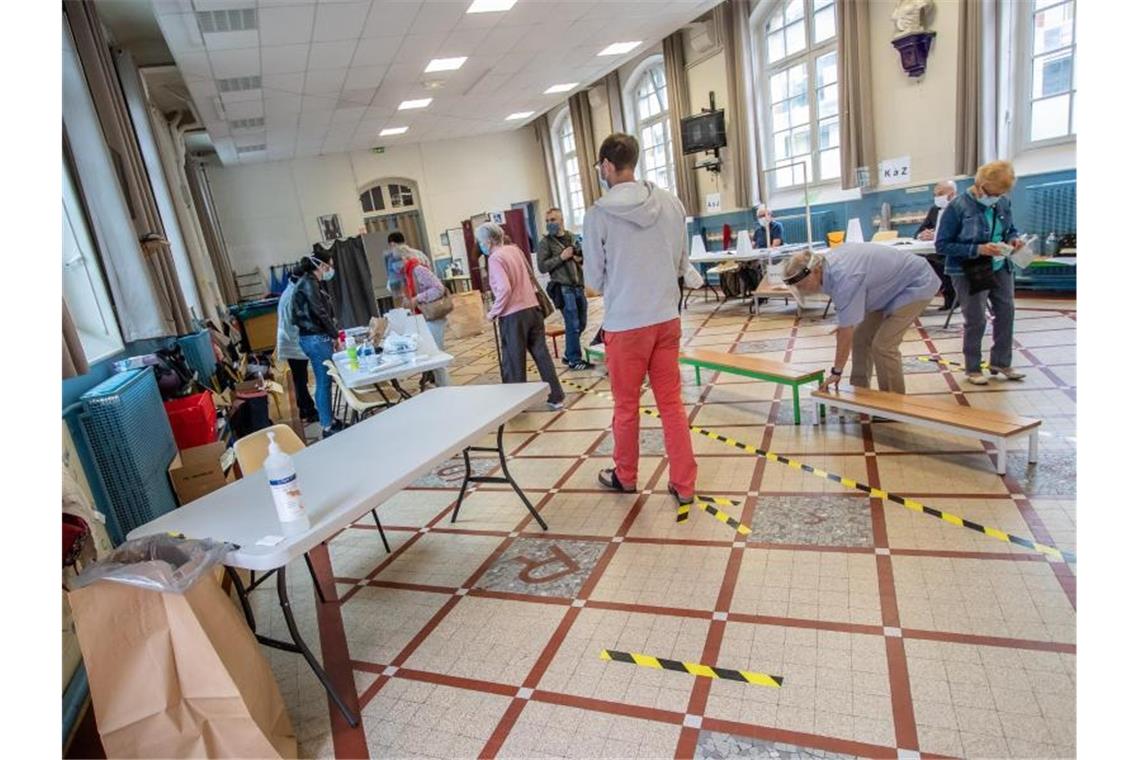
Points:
[(602, 180), (483, 247), (989, 201), (328, 275), (552, 228)]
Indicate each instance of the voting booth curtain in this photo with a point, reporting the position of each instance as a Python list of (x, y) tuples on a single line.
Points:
[(856, 128)]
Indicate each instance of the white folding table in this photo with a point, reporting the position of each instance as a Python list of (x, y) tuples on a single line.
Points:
[(428, 357), (342, 479)]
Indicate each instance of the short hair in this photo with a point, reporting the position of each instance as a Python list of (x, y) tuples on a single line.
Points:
[(998, 175), (552, 209), (489, 232), (621, 150), (760, 210), (396, 237), (946, 184)]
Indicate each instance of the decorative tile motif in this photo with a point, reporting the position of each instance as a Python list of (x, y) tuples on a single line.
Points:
[(711, 744), (816, 520), (450, 473), (543, 567), (1055, 473), (914, 365), (760, 346), (652, 443)]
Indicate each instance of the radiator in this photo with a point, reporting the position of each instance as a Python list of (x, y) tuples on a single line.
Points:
[(1052, 208), (199, 352), (795, 227)]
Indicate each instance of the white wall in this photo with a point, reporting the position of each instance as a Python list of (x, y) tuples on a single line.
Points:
[(269, 211)]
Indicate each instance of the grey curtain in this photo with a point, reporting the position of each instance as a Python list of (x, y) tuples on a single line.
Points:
[(74, 359), (542, 134), (613, 94), (737, 68), (967, 137), (856, 128), (581, 120), (351, 289), (678, 87), (106, 92)]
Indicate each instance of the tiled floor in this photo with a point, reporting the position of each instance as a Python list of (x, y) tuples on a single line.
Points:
[(896, 634)]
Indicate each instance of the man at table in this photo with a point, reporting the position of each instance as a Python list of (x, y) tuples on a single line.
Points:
[(944, 192), (769, 229), (878, 292)]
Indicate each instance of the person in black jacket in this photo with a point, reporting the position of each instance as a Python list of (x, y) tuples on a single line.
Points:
[(313, 317), (944, 192)]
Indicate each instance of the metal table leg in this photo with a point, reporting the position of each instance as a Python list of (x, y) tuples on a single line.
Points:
[(505, 478)]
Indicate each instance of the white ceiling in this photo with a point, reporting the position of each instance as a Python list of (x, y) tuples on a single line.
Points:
[(333, 72)]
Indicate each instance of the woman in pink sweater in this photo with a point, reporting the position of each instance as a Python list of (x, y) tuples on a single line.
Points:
[(521, 326)]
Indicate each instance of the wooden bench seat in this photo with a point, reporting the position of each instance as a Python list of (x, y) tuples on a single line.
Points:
[(755, 367), (939, 414)]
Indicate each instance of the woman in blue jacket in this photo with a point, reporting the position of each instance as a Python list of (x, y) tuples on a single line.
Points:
[(974, 225)]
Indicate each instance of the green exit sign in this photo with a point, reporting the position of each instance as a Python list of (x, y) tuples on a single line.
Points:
[(378, 150)]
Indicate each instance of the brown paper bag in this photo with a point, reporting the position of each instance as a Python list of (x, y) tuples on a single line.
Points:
[(178, 675), (467, 317), (377, 327)]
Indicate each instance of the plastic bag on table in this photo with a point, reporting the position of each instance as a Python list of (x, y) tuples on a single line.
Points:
[(159, 563), (396, 343)]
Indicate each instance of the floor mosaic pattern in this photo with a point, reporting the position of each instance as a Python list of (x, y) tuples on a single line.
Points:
[(898, 635)]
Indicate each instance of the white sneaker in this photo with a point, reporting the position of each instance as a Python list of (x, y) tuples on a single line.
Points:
[(977, 378), (555, 406)]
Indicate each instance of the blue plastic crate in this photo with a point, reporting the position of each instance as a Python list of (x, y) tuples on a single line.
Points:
[(130, 440), (199, 352)]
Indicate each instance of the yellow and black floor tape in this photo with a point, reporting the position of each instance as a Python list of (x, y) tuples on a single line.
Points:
[(693, 668), (710, 503), (877, 493), (946, 362), (683, 513)]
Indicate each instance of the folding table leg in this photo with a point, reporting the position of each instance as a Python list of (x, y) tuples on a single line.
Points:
[(380, 528), (796, 402), (504, 478)]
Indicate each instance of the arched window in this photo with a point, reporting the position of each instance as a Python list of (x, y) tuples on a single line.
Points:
[(388, 197), (571, 199), (648, 101), (801, 90)]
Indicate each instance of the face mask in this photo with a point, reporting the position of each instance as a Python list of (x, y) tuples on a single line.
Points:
[(483, 248), (989, 201), (602, 180), (552, 228), (328, 275), (941, 201)]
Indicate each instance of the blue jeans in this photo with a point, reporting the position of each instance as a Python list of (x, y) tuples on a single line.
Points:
[(319, 349), (574, 311)]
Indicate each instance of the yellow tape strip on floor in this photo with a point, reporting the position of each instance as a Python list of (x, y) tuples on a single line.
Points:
[(946, 362), (877, 493), (709, 504), (693, 668)]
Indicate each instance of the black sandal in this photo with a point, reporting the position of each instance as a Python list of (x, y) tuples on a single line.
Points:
[(608, 478)]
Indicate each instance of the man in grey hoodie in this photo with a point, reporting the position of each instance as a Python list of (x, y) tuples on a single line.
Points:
[(633, 244)]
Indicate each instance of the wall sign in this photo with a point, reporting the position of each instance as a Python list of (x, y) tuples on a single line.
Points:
[(894, 171), (712, 203)]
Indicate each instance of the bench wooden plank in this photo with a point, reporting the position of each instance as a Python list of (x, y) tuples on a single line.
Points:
[(742, 363), (935, 410)]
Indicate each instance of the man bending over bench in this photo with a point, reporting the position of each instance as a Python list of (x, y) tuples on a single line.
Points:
[(878, 292)]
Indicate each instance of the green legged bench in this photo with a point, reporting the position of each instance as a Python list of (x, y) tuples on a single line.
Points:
[(747, 366)]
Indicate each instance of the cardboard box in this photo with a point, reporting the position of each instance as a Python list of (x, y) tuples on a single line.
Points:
[(197, 471)]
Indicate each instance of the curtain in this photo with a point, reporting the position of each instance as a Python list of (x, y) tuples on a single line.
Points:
[(542, 134), (351, 289), (731, 18), (408, 223), (613, 94), (968, 124), (74, 359), (856, 129), (106, 93), (199, 186), (581, 120), (678, 88)]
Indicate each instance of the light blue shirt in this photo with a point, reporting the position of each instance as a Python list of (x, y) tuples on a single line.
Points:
[(288, 336), (866, 277)]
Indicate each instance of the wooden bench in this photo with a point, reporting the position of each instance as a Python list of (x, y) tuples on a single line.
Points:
[(747, 366), (939, 414)]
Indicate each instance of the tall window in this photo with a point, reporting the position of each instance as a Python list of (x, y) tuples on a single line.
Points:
[(651, 117), (83, 287), (569, 178), (1050, 108), (798, 45)]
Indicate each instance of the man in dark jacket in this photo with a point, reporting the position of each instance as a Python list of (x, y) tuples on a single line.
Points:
[(944, 192), (316, 326), (559, 257)]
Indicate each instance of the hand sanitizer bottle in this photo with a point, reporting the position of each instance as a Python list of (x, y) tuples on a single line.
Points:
[(283, 483)]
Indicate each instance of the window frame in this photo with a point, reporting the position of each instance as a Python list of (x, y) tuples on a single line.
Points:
[(763, 73), (572, 216), (633, 84), (1023, 107)]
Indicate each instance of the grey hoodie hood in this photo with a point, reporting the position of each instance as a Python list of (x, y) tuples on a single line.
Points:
[(634, 202)]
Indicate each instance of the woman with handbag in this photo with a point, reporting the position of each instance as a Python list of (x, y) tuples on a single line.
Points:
[(425, 294), (975, 234), (521, 308)]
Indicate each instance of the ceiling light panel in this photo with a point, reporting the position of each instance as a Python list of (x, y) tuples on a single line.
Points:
[(234, 20), (520, 115), (410, 104), (620, 48), (250, 148), (393, 131), (491, 6), (567, 87), (239, 84), (445, 64)]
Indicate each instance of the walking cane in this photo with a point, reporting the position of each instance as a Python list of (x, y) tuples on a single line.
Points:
[(498, 354)]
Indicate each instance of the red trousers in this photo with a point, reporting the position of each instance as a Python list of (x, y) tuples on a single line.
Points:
[(630, 354)]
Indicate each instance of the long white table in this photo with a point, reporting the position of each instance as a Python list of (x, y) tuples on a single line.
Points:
[(368, 376), (912, 245), (342, 479)]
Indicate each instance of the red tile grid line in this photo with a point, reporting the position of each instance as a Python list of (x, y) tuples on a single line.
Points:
[(890, 631)]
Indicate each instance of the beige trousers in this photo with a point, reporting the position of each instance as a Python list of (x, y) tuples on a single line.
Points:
[(876, 344)]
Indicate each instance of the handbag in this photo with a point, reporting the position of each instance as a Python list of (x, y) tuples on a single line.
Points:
[(437, 309), (554, 291), (544, 303), (979, 274)]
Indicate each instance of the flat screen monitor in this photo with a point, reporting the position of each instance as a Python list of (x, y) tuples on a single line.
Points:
[(702, 132)]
